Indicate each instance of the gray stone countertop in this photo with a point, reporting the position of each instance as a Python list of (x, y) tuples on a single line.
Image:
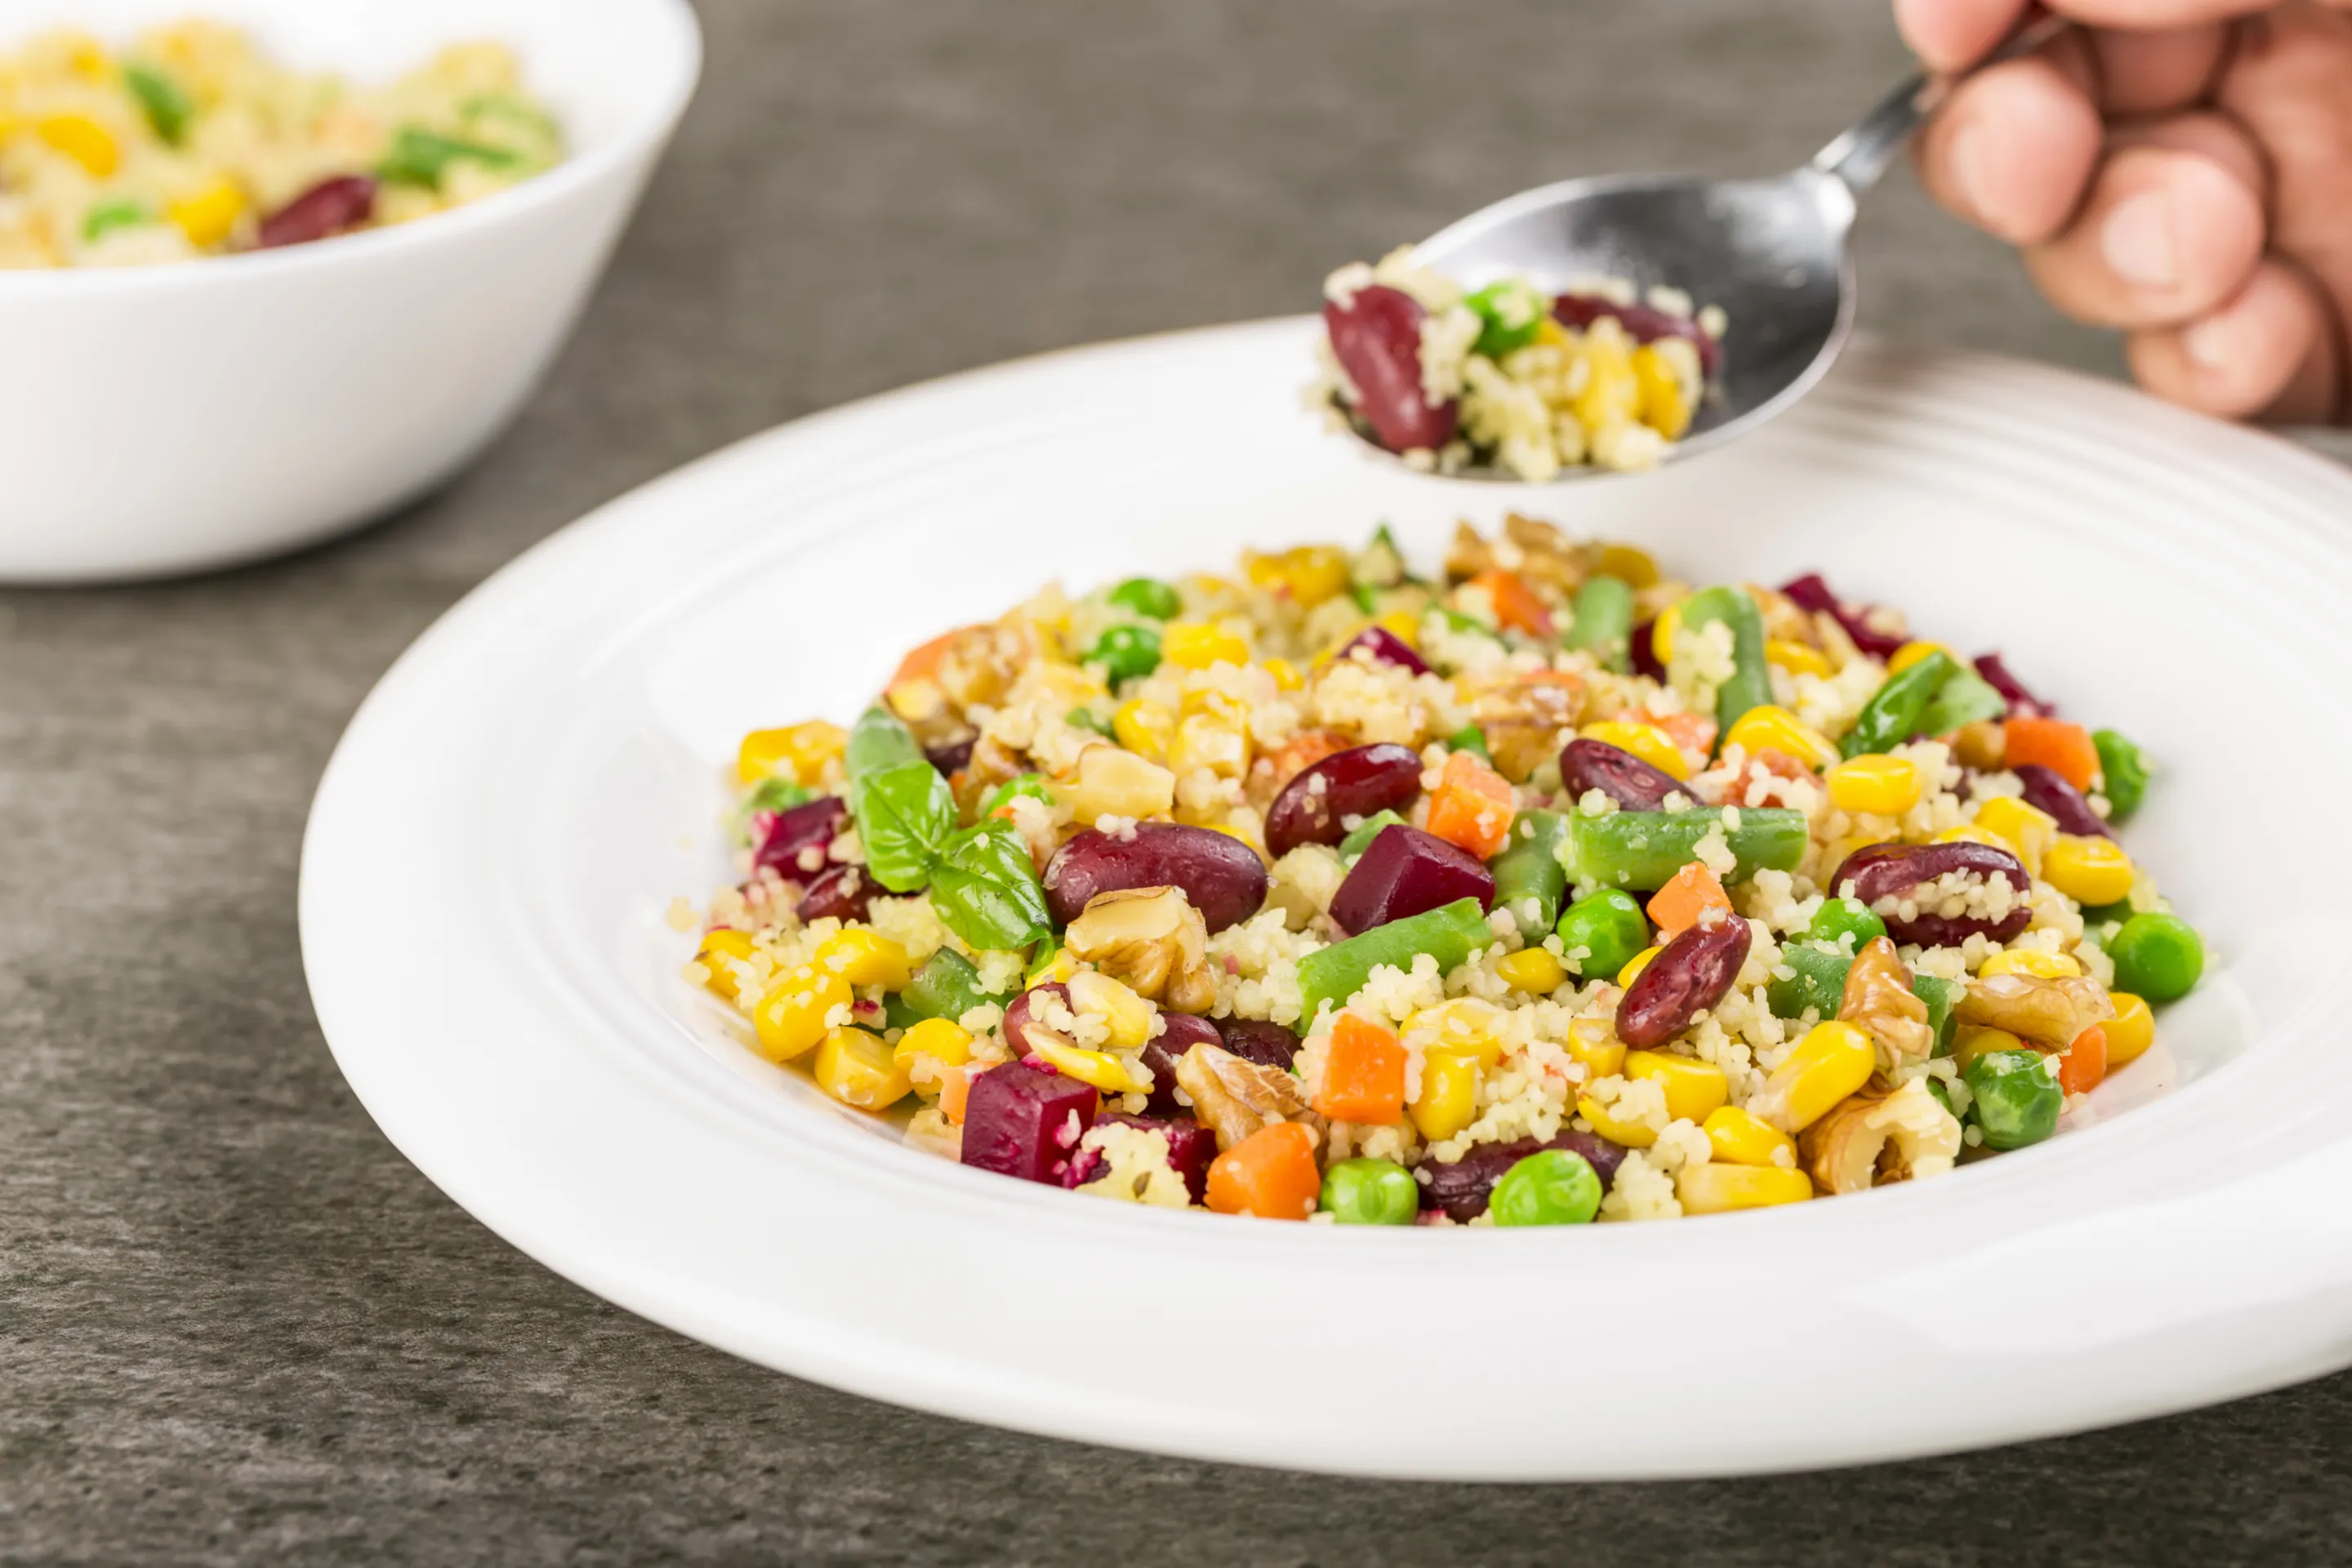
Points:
[(236, 1326)]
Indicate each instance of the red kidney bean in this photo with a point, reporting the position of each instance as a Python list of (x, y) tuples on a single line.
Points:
[(1644, 323), (1259, 1040), (1180, 1032), (949, 758), (844, 893), (792, 834), (2046, 790), (1021, 1011), (1645, 651), (1190, 1146), (331, 207), (1997, 676), (1405, 871), (1618, 774), (1313, 807), (1223, 877), (1376, 338), (1016, 1121), (1689, 975), (1812, 595), (1891, 870), (1461, 1188), (1384, 646)]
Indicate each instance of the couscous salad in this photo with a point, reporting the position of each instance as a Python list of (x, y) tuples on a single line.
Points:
[(193, 142), (1542, 889)]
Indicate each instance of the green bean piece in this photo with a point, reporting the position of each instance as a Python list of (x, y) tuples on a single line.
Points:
[(1086, 719), (1462, 621), (1841, 918), (905, 816), (1816, 982), (2159, 957), (1450, 934), (420, 157), (1126, 653), (1603, 932), (1551, 1186), (1469, 738), (1943, 999), (2122, 772), (1892, 715), (1511, 312), (878, 740), (1148, 598), (1602, 622), (946, 987), (1644, 848), (164, 102), (107, 216), (1750, 684), (1356, 843), (1031, 787), (1965, 698), (1529, 878), (984, 886), (1366, 1191), (1943, 1093), (2015, 1098), (897, 1015)]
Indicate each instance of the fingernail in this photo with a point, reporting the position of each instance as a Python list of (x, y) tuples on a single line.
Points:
[(2137, 241), (1970, 149), (2212, 343)]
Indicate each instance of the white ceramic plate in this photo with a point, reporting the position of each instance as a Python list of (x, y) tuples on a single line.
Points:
[(497, 838)]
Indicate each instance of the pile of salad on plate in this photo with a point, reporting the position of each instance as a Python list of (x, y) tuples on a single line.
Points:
[(1509, 378), (193, 142), (1540, 891)]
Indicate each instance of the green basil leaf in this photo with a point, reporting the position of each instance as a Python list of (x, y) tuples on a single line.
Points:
[(904, 815), (984, 889), (878, 741)]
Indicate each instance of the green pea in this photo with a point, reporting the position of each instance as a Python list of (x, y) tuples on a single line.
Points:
[(1841, 918), (2123, 771), (1149, 597), (1551, 1186), (1032, 785), (1126, 653), (2015, 1098), (1469, 738), (1369, 1191), (1512, 311), (1356, 843), (1608, 928), (2157, 956)]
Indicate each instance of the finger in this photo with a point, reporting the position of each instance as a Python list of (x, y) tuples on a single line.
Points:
[(2165, 237), (2271, 351), (1948, 34), (2155, 73), (2013, 150), (2155, 15)]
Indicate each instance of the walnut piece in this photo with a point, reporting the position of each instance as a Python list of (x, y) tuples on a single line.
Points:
[(2050, 1011), (1526, 717), (1980, 746), (1152, 940), (1548, 560), (1233, 1097), (1469, 555), (1879, 1001), (1877, 1136)]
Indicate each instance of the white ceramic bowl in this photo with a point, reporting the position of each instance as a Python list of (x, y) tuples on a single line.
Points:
[(162, 419)]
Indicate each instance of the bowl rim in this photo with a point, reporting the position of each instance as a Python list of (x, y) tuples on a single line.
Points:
[(648, 127)]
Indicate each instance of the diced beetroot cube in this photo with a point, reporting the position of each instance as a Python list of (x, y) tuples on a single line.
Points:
[(1026, 1121), (1405, 872), (1385, 646), (792, 835), (1811, 594), (1190, 1147)]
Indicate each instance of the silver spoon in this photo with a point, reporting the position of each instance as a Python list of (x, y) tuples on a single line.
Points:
[(1773, 253)]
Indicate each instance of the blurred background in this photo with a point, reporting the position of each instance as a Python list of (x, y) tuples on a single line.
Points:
[(238, 1326)]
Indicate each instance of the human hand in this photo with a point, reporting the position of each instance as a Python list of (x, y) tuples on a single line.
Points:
[(2178, 169)]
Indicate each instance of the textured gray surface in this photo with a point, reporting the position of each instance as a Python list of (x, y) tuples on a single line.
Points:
[(236, 1326)]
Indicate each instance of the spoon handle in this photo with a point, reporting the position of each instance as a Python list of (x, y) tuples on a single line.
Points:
[(1860, 156)]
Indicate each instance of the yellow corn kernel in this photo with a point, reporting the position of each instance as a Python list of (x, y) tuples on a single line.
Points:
[(1711, 1188), (2131, 1031), (796, 752), (2088, 870), (2026, 830), (1448, 1100), (1743, 1139), (1402, 624), (941, 1039), (1831, 1062), (1215, 740), (857, 1068), (206, 213), (1532, 970), (1612, 392), (1661, 404), (1911, 653), (864, 957), (1196, 644), (1286, 675), (1775, 728), (1465, 1027), (791, 1018), (1974, 1040), (2030, 961), (1058, 968), (1629, 564), (1128, 1016), (1882, 786), (1647, 741), (1144, 728), (1099, 1069), (1695, 1090), (717, 948), (1633, 1134), (1312, 572), (1661, 634), (83, 139), (1796, 658), (1594, 1044), (1633, 967), (1969, 833)]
